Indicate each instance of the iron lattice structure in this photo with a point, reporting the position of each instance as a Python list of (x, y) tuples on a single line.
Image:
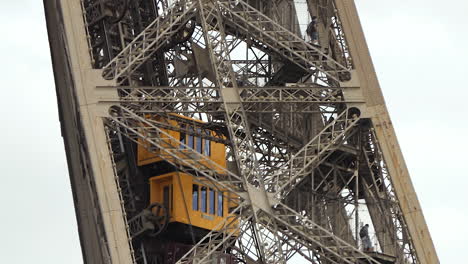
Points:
[(311, 148)]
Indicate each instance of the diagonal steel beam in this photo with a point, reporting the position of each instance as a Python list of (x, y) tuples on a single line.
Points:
[(142, 131), (290, 46), (152, 38), (378, 170), (137, 129), (309, 157), (221, 237), (212, 20), (316, 237)]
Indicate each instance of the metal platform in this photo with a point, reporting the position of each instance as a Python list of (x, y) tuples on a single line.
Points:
[(380, 257)]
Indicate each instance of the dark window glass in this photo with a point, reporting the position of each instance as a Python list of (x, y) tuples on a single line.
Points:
[(182, 137), (207, 145), (212, 201), (190, 139), (166, 197), (203, 199), (220, 204), (195, 197), (199, 142)]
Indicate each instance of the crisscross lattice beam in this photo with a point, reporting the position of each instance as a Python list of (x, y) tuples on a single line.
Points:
[(152, 38), (269, 33), (305, 160)]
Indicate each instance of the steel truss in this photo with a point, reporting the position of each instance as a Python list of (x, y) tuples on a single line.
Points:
[(288, 140), (291, 223), (149, 41), (389, 201), (255, 99)]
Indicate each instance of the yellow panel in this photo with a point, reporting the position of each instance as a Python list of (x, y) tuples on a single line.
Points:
[(218, 153), (145, 157), (156, 186)]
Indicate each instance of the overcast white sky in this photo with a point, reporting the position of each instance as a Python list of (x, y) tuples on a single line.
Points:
[(419, 49)]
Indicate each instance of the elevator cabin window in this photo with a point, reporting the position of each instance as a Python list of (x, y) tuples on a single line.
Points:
[(201, 145), (207, 200), (220, 204), (207, 145), (203, 199), (167, 197), (190, 138), (182, 138), (195, 197), (212, 201)]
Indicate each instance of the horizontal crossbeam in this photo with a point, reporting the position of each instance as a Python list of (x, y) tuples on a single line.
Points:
[(248, 95)]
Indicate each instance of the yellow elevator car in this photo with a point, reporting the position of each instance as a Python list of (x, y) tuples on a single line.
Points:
[(189, 202)]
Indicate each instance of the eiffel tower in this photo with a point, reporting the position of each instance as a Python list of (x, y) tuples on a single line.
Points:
[(311, 153)]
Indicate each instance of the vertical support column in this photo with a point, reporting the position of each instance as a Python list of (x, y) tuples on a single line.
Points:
[(416, 224), (236, 121), (356, 207), (81, 81)]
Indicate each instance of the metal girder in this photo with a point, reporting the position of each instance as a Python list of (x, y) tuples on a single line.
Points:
[(416, 227), (299, 234), (285, 43), (152, 38), (294, 228), (220, 238), (379, 172), (278, 38), (304, 93), (314, 236), (122, 191), (302, 163), (331, 26), (136, 127), (236, 119), (186, 159), (302, 99)]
